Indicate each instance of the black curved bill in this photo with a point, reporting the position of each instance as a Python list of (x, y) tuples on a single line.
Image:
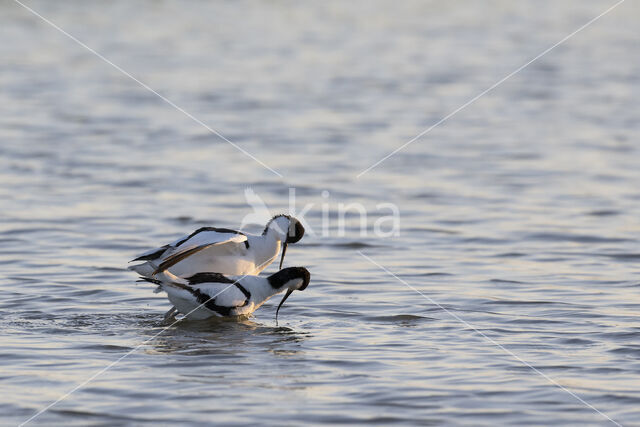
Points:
[(282, 302), (284, 249)]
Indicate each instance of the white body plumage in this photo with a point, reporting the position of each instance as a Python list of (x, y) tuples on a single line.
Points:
[(222, 250), (206, 295)]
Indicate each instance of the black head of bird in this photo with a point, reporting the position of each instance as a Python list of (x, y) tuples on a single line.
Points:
[(295, 232), (293, 279)]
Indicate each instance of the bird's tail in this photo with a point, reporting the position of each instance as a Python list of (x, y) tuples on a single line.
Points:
[(150, 280), (166, 279), (154, 281), (170, 278), (145, 269)]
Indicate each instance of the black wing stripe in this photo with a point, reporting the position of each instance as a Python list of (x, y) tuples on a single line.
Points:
[(200, 230), (246, 293), (198, 278), (206, 300), (150, 257), (210, 303)]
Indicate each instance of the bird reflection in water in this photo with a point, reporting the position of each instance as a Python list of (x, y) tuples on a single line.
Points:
[(226, 337)]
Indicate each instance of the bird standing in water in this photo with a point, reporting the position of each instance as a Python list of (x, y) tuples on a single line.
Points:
[(206, 295)]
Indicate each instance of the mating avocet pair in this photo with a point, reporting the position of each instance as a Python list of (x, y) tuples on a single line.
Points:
[(192, 270)]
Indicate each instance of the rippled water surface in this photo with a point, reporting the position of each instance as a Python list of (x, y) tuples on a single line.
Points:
[(520, 215)]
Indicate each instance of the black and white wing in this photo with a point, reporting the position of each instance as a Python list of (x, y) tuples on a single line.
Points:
[(198, 240), (218, 293), (161, 258)]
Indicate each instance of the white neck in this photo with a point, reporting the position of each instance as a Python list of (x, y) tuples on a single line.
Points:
[(260, 288), (266, 248)]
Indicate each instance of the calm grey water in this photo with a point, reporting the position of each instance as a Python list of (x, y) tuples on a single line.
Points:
[(520, 215)]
